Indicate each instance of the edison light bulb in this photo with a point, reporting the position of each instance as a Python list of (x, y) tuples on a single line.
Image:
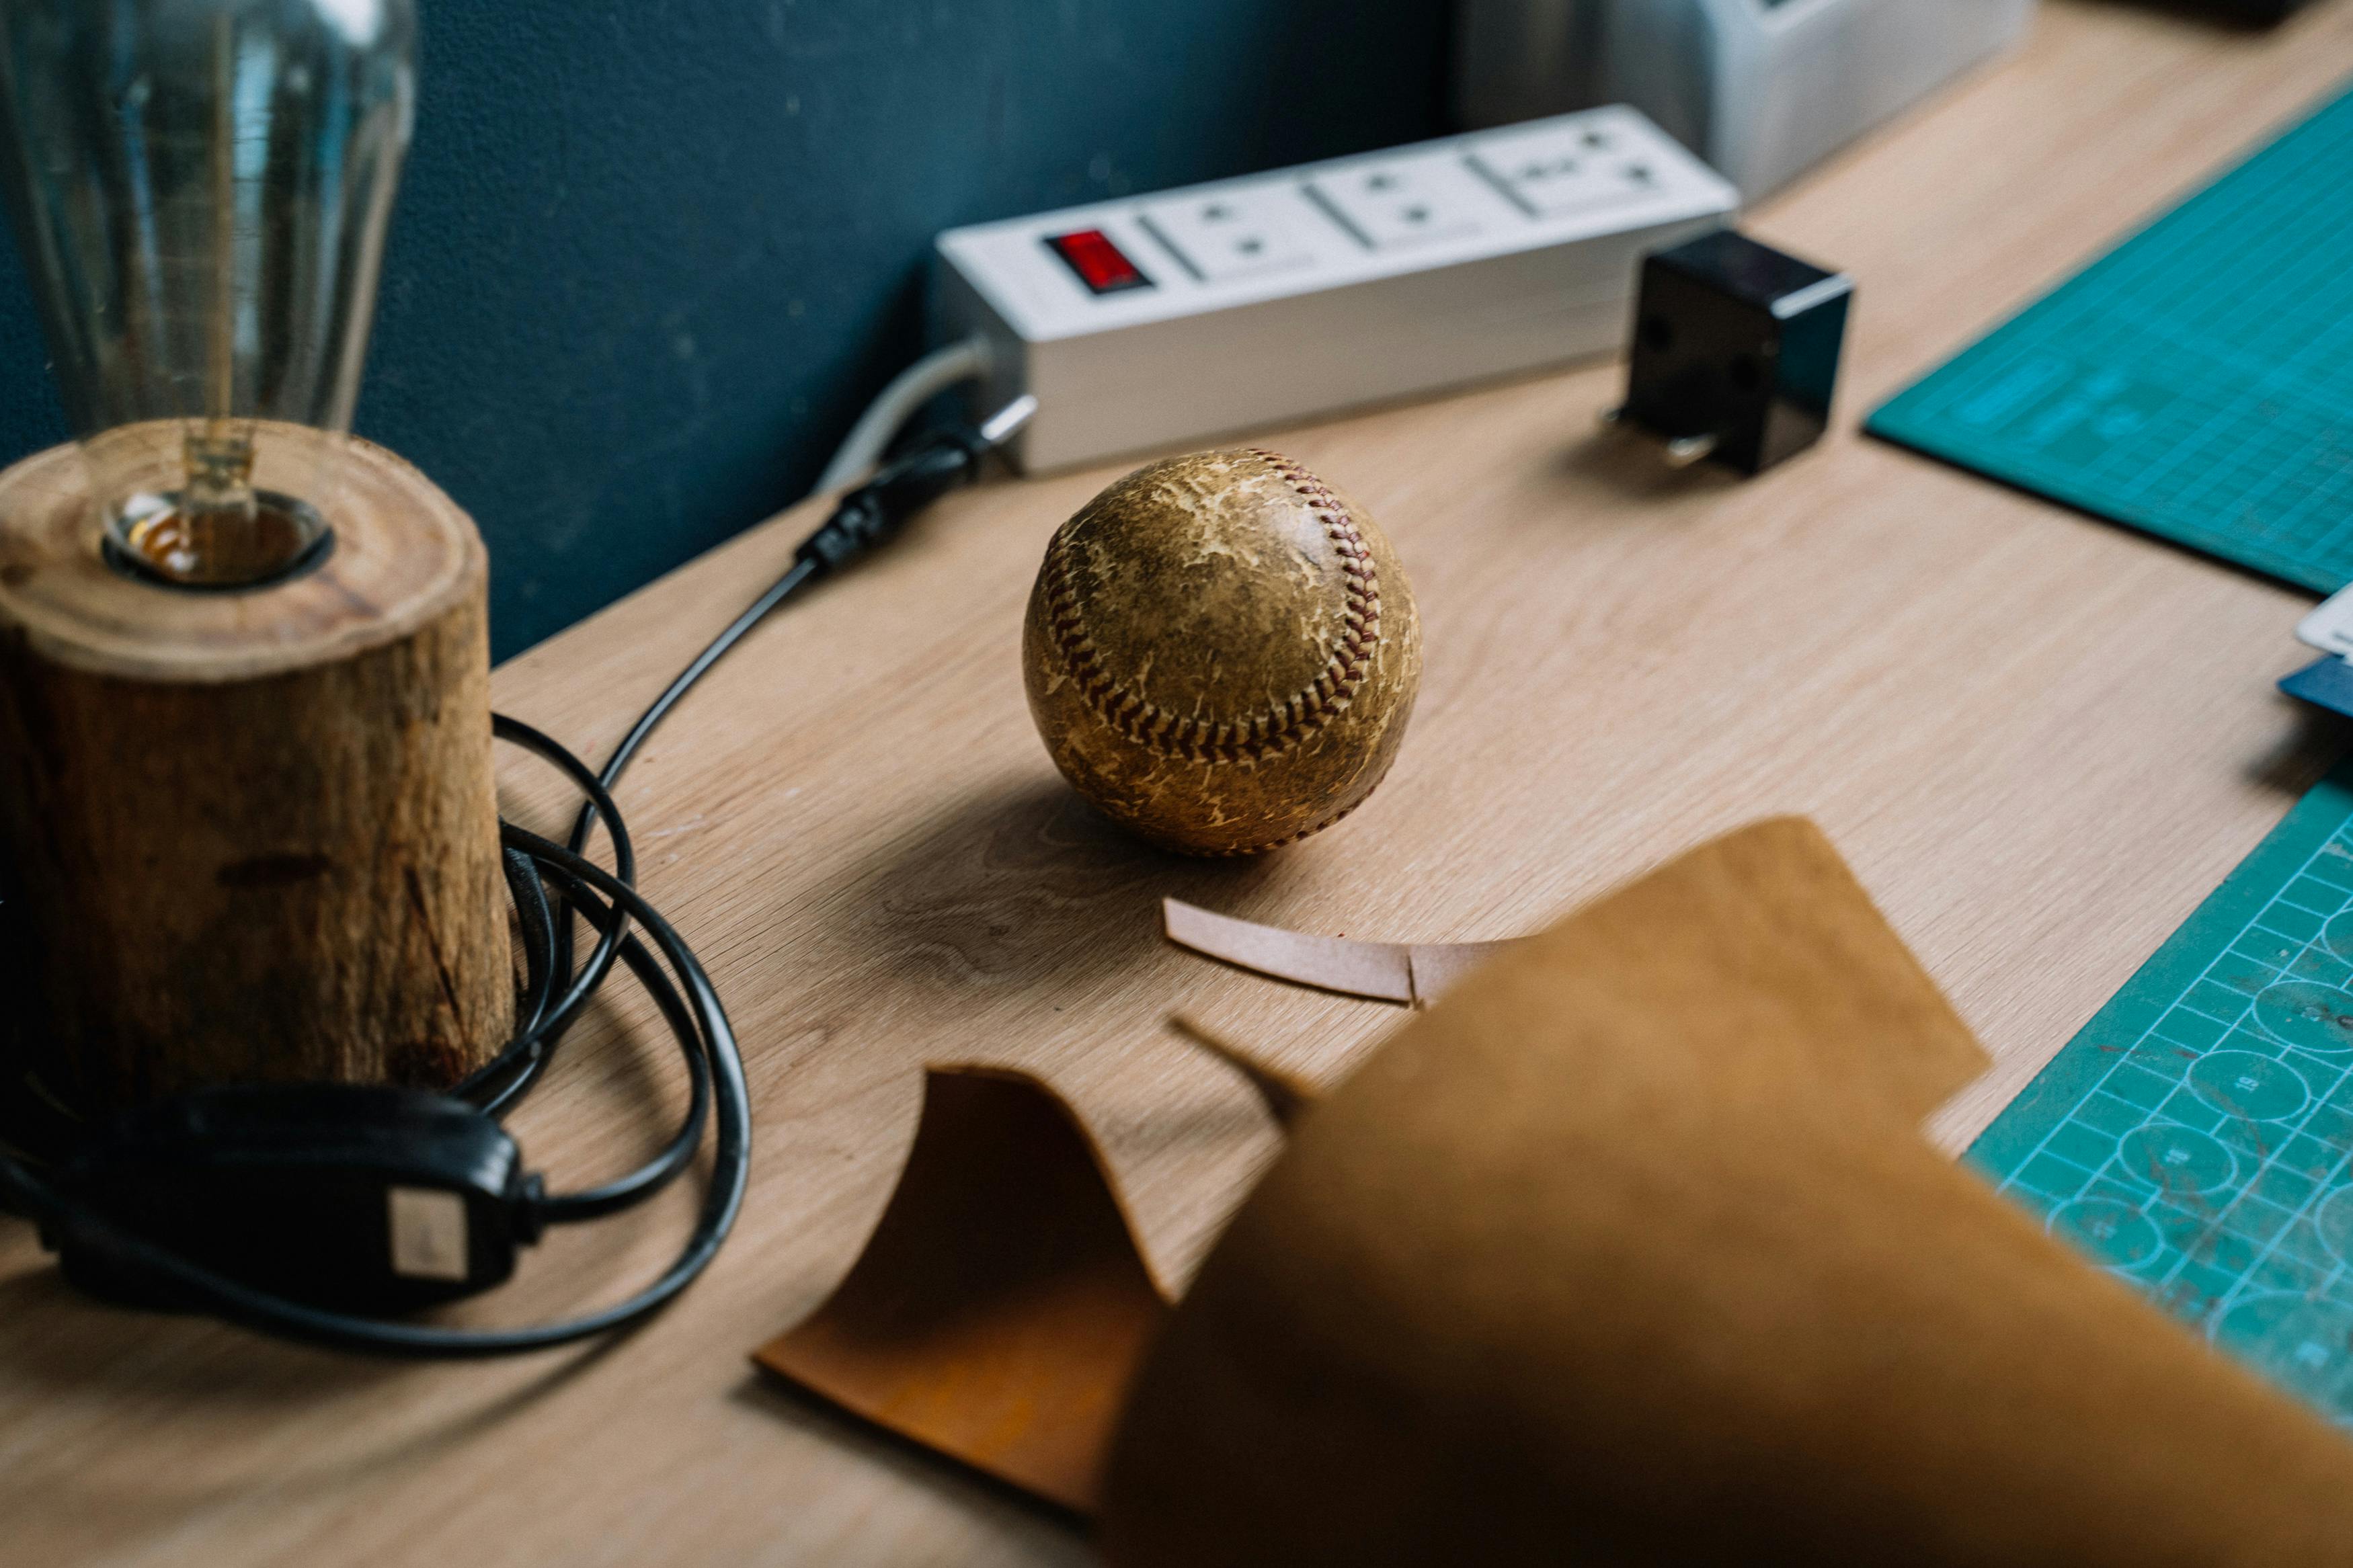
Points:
[(200, 189)]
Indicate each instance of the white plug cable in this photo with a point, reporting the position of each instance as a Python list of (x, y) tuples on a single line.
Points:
[(861, 450)]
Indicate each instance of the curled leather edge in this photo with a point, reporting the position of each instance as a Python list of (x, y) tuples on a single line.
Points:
[(1001, 1307)]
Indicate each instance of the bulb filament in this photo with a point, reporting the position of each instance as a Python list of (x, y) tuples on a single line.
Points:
[(217, 531)]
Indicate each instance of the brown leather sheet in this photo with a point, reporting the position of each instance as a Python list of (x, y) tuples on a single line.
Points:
[(1628, 1251), (1000, 1307)]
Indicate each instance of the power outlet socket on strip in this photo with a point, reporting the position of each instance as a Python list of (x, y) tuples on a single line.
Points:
[(1162, 320)]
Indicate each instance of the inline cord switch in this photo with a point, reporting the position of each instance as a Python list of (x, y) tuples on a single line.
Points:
[(940, 462)]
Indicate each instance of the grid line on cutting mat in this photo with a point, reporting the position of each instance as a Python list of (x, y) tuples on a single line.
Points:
[(2194, 1137), (2196, 381)]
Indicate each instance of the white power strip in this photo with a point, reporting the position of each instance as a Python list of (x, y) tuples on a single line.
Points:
[(1150, 322)]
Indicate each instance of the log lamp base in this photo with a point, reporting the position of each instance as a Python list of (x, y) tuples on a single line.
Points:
[(252, 835)]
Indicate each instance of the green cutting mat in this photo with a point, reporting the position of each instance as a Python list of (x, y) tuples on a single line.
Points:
[(2196, 381), (2194, 1136)]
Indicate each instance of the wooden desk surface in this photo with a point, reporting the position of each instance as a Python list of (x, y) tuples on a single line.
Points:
[(2040, 739)]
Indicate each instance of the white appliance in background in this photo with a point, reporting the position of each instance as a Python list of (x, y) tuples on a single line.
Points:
[(1763, 89), (1157, 320)]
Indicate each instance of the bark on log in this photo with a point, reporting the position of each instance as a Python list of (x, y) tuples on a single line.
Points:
[(254, 836)]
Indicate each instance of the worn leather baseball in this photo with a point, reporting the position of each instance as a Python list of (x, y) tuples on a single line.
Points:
[(1222, 652)]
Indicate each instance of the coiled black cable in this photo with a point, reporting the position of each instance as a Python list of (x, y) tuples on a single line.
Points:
[(555, 993), (688, 1002)]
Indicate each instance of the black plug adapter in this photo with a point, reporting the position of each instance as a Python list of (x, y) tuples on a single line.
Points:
[(878, 509), (345, 1197), (1736, 351)]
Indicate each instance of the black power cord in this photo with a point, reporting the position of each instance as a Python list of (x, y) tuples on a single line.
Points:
[(321, 1133)]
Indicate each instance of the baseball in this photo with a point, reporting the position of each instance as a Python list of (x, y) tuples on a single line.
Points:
[(1221, 653)]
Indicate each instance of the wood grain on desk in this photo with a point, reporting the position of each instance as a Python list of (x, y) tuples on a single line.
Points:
[(2040, 739)]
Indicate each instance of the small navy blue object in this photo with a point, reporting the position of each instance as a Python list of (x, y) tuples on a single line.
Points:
[(2325, 683)]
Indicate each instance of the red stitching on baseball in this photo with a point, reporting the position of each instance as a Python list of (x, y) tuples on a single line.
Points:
[(1278, 729)]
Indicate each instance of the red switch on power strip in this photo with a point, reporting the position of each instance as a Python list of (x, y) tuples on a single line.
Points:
[(1102, 266)]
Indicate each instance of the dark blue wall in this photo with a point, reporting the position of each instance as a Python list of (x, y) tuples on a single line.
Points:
[(651, 257)]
